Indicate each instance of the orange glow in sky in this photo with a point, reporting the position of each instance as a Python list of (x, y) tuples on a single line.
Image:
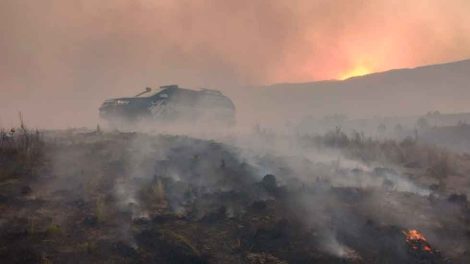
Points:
[(358, 70)]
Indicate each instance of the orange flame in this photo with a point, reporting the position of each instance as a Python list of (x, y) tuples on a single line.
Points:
[(414, 234), (417, 240)]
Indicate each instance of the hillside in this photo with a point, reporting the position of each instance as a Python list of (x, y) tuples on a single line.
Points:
[(94, 197), (443, 87)]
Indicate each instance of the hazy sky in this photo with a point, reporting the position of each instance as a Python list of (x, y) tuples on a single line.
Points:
[(71, 54)]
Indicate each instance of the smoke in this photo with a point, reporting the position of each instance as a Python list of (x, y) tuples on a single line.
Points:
[(345, 206), (60, 59)]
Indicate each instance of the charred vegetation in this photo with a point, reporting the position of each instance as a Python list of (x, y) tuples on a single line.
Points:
[(112, 197)]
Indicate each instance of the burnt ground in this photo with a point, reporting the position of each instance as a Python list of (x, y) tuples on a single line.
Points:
[(134, 198)]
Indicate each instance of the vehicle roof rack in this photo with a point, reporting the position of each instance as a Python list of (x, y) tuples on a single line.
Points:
[(210, 91), (170, 86)]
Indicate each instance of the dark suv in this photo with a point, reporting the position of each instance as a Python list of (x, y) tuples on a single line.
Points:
[(171, 104)]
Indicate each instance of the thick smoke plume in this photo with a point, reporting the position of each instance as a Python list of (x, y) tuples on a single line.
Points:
[(60, 58)]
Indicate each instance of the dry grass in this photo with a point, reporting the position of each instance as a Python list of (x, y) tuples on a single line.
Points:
[(21, 152), (409, 152)]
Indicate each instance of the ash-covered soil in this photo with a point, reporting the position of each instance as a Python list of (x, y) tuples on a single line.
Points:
[(97, 197)]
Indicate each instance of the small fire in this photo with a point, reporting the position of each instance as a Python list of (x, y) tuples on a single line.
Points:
[(414, 234), (417, 241)]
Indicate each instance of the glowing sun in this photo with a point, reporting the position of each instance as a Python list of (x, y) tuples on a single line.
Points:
[(359, 70)]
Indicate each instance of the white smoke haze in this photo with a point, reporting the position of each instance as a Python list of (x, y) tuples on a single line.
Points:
[(345, 191), (331, 192)]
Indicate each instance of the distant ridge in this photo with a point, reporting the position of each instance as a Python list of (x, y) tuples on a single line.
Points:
[(444, 87), (460, 63), (465, 62)]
